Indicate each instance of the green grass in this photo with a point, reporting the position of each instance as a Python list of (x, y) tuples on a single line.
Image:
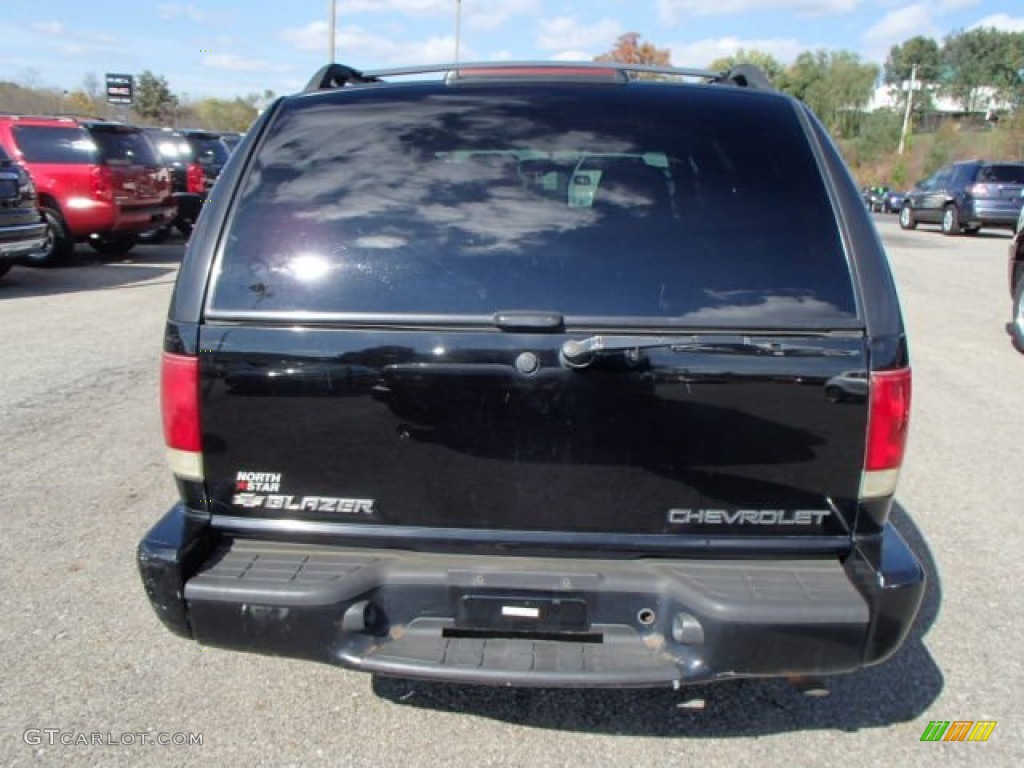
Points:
[(873, 159)]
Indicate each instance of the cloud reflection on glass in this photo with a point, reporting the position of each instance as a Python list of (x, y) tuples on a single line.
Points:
[(466, 201)]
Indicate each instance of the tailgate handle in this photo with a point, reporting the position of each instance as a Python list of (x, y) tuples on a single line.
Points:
[(528, 320)]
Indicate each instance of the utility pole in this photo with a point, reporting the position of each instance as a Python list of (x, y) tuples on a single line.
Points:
[(910, 102), (332, 14), (458, 27)]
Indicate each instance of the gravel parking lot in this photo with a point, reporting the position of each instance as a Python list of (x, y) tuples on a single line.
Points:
[(85, 659)]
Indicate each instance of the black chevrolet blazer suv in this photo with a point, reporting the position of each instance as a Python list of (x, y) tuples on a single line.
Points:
[(522, 375)]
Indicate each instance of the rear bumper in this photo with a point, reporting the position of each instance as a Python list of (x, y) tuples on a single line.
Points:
[(21, 240), (1016, 256), (993, 213), (93, 217), (189, 205), (141, 218), (532, 621)]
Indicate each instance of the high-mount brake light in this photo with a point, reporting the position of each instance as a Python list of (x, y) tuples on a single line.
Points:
[(888, 424), (539, 71)]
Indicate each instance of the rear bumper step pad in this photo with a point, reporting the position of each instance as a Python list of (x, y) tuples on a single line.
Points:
[(534, 621)]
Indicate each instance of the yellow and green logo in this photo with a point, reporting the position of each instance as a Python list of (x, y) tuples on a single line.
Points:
[(958, 730)]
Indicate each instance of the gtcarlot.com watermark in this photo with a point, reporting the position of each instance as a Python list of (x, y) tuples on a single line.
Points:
[(56, 737)]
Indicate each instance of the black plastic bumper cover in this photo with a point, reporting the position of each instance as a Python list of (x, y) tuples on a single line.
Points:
[(170, 552), (532, 621), (19, 241), (189, 205)]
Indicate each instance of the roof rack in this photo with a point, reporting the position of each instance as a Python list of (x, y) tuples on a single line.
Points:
[(746, 76), (39, 116), (65, 116), (338, 75), (82, 116)]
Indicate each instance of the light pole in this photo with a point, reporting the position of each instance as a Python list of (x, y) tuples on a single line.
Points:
[(332, 15), (458, 27), (910, 102)]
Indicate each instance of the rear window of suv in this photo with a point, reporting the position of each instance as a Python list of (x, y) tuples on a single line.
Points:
[(120, 147), (209, 150), (172, 147), (1002, 174), (685, 205), (63, 145)]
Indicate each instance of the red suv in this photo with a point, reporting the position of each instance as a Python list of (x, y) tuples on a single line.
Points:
[(97, 181)]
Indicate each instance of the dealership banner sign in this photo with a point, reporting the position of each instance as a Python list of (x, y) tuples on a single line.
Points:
[(120, 89)]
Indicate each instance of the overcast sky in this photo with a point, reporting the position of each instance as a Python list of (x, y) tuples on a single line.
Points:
[(233, 47)]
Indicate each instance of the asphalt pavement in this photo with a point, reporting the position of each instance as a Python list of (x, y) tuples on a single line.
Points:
[(90, 677)]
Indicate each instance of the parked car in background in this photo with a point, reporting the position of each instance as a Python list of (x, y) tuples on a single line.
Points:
[(892, 202), (848, 385), (876, 199), (231, 139), (97, 181), (188, 181), (964, 197), (210, 151), (1016, 274), (22, 227)]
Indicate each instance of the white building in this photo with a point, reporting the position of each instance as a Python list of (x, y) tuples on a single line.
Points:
[(889, 97)]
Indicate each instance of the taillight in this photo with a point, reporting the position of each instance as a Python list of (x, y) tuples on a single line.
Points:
[(26, 189), (163, 181), (195, 179), (888, 424), (103, 183), (979, 190), (179, 401)]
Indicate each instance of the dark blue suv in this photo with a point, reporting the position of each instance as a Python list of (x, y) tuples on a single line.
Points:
[(964, 197)]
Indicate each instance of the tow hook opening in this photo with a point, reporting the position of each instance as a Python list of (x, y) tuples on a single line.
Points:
[(364, 617), (646, 616)]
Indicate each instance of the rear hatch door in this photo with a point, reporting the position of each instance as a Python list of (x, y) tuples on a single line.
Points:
[(139, 178), (393, 338), (174, 151), (17, 205), (1002, 184), (210, 152)]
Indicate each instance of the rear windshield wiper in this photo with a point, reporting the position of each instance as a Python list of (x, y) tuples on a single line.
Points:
[(580, 354)]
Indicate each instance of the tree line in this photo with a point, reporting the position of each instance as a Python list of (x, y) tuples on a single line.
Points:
[(973, 67), (154, 103)]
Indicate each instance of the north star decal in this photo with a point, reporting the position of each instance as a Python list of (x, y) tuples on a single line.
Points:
[(305, 503), (748, 516), (268, 482)]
